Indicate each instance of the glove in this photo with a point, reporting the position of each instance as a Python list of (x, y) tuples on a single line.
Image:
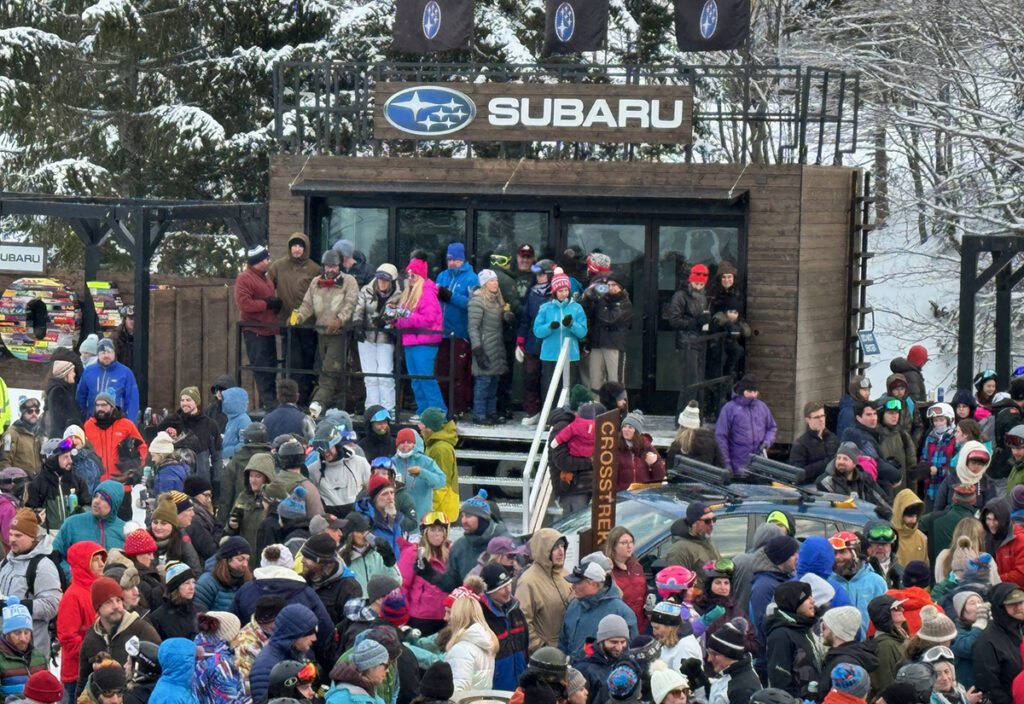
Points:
[(481, 357), (314, 410), (694, 671), (508, 316), (382, 322), (554, 325), (521, 343), (444, 294), (566, 478), (567, 321), (274, 304), (293, 319), (520, 355), (713, 615), (360, 335), (983, 615), (386, 553)]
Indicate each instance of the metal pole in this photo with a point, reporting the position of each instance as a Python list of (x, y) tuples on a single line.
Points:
[(1003, 327), (545, 411), (140, 226), (965, 350)]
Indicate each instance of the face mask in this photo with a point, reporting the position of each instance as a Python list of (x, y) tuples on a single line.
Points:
[(406, 455)]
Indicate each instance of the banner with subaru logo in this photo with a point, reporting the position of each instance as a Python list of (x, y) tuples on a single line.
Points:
[(575, 25), (712, 25), (424, 26)]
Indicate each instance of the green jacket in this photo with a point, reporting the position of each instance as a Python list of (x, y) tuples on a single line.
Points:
[(890, 654), (16, 667), (233, 482), (939, 527), (1015, 477), (441, 449)]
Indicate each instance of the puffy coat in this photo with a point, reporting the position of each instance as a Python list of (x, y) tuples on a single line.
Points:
[(632, 463), (509, 625), (178, 671), (471, 659), (217, 676), (633, 583), (285, 583), (817, 556), (912, 373), (291, 276), (115, 379), (106, 436), (50, 489), (391, 533), (962, 647), (339, 482), (538, 295), (461, 282), (426, 316), (794, 657), (41, 598), (425, 600), (687, 313), (583, 615), (170, 475), (420, 487), (62, 408), (745, 427), (76, 615), (986, 489), (486, 330), (555, 311), (294, 621), (542, 592), (97, 640), (88, 465), (1007, 545), (704, 449), (369, 315), (213, 595), (107, 531), (16, 666), (996, 653), (913, 544), (440, 447), (329, 301), (812, 452), (235, 405), (175, 620), (252, 289), (610, 319)]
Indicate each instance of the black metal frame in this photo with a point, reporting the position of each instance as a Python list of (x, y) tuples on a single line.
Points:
[(138, 225), (857, 308), (803, 114), (1004, 249)]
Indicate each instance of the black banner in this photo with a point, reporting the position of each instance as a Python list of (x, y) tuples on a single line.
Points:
[(423, 26), (575, 25), (712, 25)]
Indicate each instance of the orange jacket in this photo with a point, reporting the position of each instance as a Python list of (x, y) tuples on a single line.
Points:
[(105, 442)]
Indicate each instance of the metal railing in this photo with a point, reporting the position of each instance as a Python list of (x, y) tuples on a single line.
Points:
[(741, 114)]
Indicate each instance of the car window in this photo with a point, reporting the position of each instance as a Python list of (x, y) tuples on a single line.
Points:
[(729, 536), (806, 527)]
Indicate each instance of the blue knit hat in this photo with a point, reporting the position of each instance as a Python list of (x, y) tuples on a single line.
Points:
[(623, 682), (16, 616), (477, 506), (851, 679), (294, 507), (456, 250), (369, 654)]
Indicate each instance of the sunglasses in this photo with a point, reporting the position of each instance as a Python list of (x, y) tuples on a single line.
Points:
[(709, 521), (32, 410)]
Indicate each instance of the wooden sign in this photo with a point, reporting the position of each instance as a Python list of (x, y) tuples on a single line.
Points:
[(525, 112), (602, 508)]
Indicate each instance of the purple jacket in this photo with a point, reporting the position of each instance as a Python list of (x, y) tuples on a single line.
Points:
[(744, 426)]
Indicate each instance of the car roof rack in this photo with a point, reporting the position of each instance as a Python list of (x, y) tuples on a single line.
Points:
[(687, 469), (782, 473)]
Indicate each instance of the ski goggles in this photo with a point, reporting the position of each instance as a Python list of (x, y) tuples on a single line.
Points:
[(723, 565), (1013, 440), (502, 260), (893, 404), (840, 542), (382, 463), (435, 518), (938, 653), (881, 534)]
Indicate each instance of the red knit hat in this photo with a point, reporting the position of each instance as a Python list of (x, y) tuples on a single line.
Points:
[(138, 542), (104, 589), (395, 609), (44, 688), (698, 274), (560, 281), (405, 435), (918, 355), (377, 483)]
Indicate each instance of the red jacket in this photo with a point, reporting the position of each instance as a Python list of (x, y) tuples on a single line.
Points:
[(1017, 688), (75, 614), (633, 468), (105, 442), (834, 696), (633, 584), (252, 289), (1010, 558), (917, 598)]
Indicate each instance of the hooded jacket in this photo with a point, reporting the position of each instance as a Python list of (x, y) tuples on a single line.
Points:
[(817, 556), (218, 679), (583, 616), (471, 660), (426, 316), (794, 656), (863, 586), (748, 564), (913, 543), (233, 482), (178, 670), (762, 593), (340, 481), (744, 427), (42, 598), (889, 643), (291, 276), (369, 315), (97, 640), (75, 614), (915, 599), (537, 296), (373, 444), (1007, 545), (62, 408), (461, 282), (107, 531), (291, 623), (420, 487), (336, 589), (287, 584), (962, 475), (551, 340), (250, 506), (105, 437), (440, 446), (542, 591), (235, 405), (996, 653), (912, 373), (360, 270), (50, 489), (115, 379)]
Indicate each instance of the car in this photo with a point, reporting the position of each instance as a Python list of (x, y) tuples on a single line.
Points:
[(649, 513)]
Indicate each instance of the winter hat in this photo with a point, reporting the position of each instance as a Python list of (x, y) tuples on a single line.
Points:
[(44, 688), (636, 420), (574, 681), (612, 626), (1016, 390), (849, 449), (345, 248), (369, 654), (1017, 497), (730, 639), (851, 679), (789, 595), (623, 682), (321, 548), (177, 573), (274, 493), (379, 586), (228, 626), (821, 591), (297, 238), (106, 344), (233, 546), (405, 435), (16, 616), (293, 508), (917, 355), (747, 383), (25, 521), (193, 393), (438, 682), (899, 692), (257, 254), (130, 578), (495, 576), (844, 621), (433, 418), (917, 574), (578, 395), (195, 485), (726, 303), (477, 506), (139, 542), (386, 271), (695, 510), (559, 281), (376, 485), (781, 548), (667, 613), (395, 609), (106, 397), (506, 545), (590, 411), (181, 501), (598, 262), (690, 417), (665, 680), (102, 590), (277, 555), (486, 275), (456, 250), (267, 608), (162, 444), (74, 431), (108, 678), (88, 345), (698, 274), (936, 627), (61, 367), (966, 494), (960, 600), (418, 267)]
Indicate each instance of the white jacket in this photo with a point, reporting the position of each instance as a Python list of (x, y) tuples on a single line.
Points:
[(471, 660), (686, 648), (342, 480)]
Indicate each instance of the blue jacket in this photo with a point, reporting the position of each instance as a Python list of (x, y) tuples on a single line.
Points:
[(762, 593), (551, 340), (537, 296), (116, 380), (817, 556), (391, 533), (178, 664), (294, 621), (461, 283), (509, 625), (88, 465), (350, 694), (234, 406), (170, 477), (864, 586), (422, 486), (108, 532), (962, 648), (845, 418), (212, 594), (583, 615), (284, 419)]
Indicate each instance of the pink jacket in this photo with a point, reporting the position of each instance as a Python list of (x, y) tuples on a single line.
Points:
[(427, 316), (580, 436), (424, 599)]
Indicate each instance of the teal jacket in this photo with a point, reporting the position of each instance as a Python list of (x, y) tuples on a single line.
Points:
[(551, 340), (108, 531), (350, 694), (421, 486)]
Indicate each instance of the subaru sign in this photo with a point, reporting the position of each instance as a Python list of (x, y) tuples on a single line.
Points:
[(427, 111)]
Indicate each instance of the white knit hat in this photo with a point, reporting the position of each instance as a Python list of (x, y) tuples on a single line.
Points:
[(665, 680), (690, 417), (843, 621)]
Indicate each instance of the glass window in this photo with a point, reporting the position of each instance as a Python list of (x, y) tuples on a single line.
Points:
[(366, 227), (682, 246), (429, 230), (505, 231)]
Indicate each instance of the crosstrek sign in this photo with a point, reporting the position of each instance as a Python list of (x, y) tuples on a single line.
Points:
[(524, 112)]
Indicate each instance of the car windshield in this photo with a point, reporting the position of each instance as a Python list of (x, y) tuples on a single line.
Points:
[(643, 520)]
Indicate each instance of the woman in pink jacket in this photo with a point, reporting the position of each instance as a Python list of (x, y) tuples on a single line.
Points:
[(426, 602), (418, 309)]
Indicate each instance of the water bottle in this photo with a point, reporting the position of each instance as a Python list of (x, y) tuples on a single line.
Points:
[(940, 394), (147, 474), (72, 502)]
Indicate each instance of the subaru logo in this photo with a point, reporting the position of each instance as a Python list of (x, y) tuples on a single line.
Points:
[(709, 19), (427, 111), (565, 22), (431, 19)]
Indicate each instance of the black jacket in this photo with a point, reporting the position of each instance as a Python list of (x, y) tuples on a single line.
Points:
[(175, 620), (562, 461), (372, 444), (856, 653), (860, 483), (215, 410), (62, 409), (198, 433), (204, 533), (996, 653), (705, 449), (813, 453), (743, 681), (336, 590), (596, 669), (867, 439), (792, 657), (915, 381), (610, 321), (687, 313)]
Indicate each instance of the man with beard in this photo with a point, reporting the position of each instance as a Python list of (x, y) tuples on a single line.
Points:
[(30, 575), (890, 636), (609, 646), (22, 443), (794, 659), (478, 527), (506, 620), (108, 376), (542, 591), (100, 524), (860, 581), (291, 275), (192, 430), (864, 434), (839, 635), (379, 507), (378, 441), (107, 428), (113, 628), (694, 548), (329, 577), (881, 539), (844, 476), (996, 653)]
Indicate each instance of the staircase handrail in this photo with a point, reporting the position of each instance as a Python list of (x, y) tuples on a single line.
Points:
[(561, 374)]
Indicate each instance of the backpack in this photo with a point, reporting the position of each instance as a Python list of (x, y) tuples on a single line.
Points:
[(33, 567)]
